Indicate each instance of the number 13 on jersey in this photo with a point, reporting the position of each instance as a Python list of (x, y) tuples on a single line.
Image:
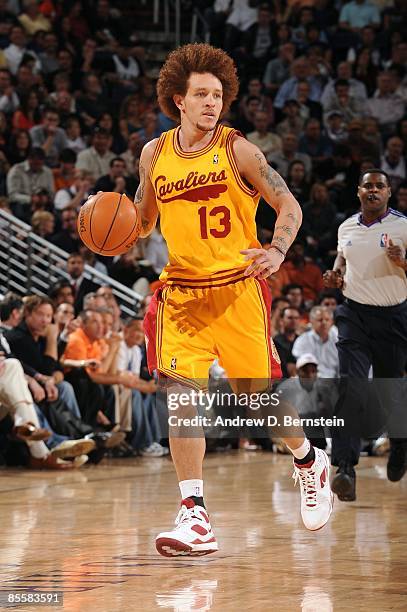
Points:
[(222, 215)]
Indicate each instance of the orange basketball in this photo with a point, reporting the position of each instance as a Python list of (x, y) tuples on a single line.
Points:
[(109, 223)]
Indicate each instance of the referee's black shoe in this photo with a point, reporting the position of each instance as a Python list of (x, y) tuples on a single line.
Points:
[(397, 463), (344, 482)]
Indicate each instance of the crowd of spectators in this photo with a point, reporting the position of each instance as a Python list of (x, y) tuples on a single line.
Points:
[(323, 94), (73, 389)]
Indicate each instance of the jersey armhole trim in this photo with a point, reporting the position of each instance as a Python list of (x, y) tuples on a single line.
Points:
[(231, 157), (157, 151)]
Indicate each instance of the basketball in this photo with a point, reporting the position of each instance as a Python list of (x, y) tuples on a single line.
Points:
[(109, 223)]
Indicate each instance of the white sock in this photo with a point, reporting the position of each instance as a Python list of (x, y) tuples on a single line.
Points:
[(191, 488), (302, 451), (38, 449)]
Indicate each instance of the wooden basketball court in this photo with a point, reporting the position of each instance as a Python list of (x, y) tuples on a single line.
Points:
[(90, 534)]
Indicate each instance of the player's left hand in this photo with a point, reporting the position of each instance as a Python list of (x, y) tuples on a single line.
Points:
[(395, 254), (265, 262)]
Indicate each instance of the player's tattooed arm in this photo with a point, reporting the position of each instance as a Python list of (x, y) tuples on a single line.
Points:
[(272, 177), (140, 189), (145, 196), (254, 168)]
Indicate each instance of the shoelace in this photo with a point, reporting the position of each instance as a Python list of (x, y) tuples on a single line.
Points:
[(185, 514), (307, 483)]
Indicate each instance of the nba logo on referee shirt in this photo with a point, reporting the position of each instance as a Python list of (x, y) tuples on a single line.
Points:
[(384, 240), (173, 363), (216, 158)]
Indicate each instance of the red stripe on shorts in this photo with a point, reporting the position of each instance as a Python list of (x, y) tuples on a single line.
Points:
[(150, 330)]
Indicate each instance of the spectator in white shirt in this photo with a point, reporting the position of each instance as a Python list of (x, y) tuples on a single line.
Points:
[(74, 139), (357, 89), (96, 159), (17, 49), (321, 342), (75, 195), (386, 105)]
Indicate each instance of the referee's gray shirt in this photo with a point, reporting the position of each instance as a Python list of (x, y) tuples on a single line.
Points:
[(371, 277)]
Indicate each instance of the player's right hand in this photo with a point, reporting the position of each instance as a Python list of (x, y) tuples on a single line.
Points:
[(333, 279)]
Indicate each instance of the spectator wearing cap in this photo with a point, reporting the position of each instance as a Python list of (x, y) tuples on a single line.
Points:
[(50, 137), (293, 123), (96, 158), (289, 152), (308, 395), (27, 178), (320, 341)]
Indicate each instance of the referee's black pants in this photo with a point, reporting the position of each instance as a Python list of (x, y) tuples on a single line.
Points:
[(370, 336)]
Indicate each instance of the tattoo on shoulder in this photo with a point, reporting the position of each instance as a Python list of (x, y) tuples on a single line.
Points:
[(140, 189), (272, 177)]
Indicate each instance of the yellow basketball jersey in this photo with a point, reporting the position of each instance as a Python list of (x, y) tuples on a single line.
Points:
[(207, 212)]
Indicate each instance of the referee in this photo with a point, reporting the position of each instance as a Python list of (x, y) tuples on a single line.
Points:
[(372, 322)]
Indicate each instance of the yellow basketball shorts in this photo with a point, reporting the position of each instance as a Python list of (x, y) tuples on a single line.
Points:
[(187, 328)]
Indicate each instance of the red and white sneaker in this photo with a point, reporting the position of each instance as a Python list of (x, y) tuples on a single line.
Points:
[(192, 535), (316, 495)]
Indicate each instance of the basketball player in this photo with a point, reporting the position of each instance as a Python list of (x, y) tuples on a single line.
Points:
[(205, 181), (372, 322)]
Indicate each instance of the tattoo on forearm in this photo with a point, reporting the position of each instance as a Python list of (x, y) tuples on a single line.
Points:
[(272, 177), (294, 220), (284, 228), (140, 189), (280, 243)]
